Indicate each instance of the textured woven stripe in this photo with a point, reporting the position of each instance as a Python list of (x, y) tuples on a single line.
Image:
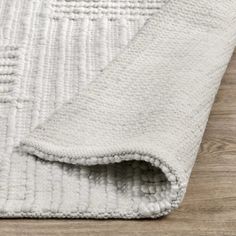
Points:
[(131, 9)]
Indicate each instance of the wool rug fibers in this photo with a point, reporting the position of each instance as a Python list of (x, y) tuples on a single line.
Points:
[(103, 104)]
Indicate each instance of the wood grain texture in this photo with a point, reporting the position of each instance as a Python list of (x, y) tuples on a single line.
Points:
[(209, 207)]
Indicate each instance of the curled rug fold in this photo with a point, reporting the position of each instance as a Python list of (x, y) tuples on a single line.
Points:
[(127, 140)]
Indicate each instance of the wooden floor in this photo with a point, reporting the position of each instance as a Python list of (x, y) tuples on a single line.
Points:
[(209, 207)]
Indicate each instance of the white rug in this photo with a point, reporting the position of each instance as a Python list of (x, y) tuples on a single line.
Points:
[(91, 127)]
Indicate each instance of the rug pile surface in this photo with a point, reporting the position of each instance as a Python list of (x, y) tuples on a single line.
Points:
[(103, 103)]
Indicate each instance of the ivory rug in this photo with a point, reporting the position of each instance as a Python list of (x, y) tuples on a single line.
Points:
[(103, 103)]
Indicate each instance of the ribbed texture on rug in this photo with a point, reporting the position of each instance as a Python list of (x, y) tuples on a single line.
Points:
[(103, 103)]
